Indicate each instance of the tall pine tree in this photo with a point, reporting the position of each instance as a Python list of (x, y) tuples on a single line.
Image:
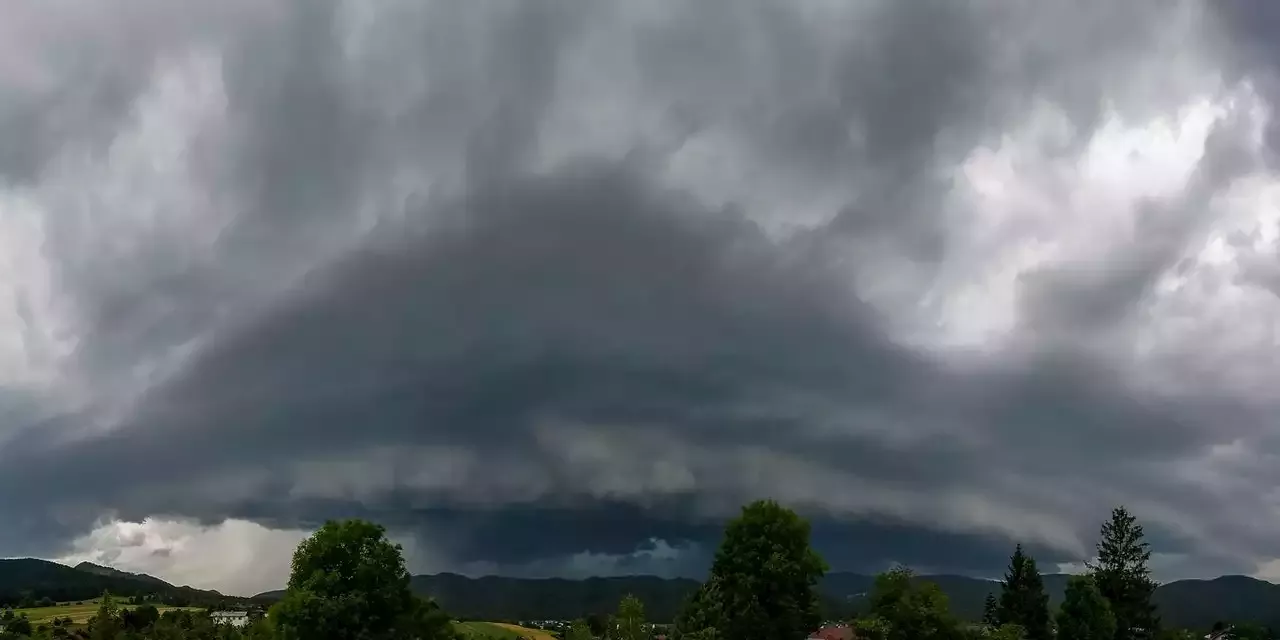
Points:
[(630, 619), (1122, 577), (1022, 598), (991, 611)]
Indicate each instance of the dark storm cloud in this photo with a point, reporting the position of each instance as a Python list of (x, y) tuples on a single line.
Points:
[(568, 342), (588, 299), (584, 298)]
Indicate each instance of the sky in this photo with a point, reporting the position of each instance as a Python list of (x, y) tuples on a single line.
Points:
[(554, 287)]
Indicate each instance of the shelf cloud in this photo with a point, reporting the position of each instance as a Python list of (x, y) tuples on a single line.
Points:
[(553, 288)]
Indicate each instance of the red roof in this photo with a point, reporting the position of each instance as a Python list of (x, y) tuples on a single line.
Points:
[(833, 632)]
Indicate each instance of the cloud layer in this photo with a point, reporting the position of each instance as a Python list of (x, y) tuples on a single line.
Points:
[(553, 287)]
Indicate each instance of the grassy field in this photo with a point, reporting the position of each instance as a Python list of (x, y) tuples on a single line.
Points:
[(534, 634), (79, 613), (501, 631)]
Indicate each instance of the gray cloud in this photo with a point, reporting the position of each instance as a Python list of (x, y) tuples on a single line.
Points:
[(601, 273)]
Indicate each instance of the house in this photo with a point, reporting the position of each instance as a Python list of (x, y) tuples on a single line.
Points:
[(1219, 634), (233, 618), (834, 632)]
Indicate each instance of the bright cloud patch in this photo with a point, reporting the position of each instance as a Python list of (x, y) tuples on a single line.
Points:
[(235, 557)]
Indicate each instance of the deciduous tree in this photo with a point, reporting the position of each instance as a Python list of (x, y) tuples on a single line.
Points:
[(701, 612), (911, 610), (763, 583), (578, 630), (598, 623), (20, 625), (349, 581), (1006, 632)]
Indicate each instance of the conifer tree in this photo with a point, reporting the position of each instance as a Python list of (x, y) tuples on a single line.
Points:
[(1022, 598), (1123, 578), (1085, 614), (990, 612), (630, 619)]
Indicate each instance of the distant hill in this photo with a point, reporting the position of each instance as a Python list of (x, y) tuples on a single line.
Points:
[(32, 579), (514, 599), (1194, 604), (1200, 603), (116, 573)]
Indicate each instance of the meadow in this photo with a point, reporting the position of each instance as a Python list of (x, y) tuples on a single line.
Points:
[(501, 631), (79, 613)]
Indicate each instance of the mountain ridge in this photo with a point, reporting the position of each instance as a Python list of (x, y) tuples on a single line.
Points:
[(23, 580), (112, 572), (1192, 603)]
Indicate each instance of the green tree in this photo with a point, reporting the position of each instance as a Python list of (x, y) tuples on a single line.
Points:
[(140, 618), (1250, 631), (701, 611), (1085, 614), (106, 623), (578, 630), (349, 581), (630, 619), (764, 578), (1123, 578), (1022, 598), (598, 623), (911, 610), (20, 625), (427, 621), (1007, 631), (871, 627), (990, 611)]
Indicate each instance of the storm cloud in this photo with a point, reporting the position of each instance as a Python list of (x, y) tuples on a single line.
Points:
[(554, 287)]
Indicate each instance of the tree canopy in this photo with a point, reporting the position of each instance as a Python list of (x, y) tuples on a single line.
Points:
[(578, 630), (905, 609), (349, 581), (763, 582)]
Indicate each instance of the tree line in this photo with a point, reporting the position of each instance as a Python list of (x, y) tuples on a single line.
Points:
[(348, 581), (763, 585), (1112, 601)]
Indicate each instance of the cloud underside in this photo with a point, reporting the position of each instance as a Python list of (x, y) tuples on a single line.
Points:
[(551, 288)]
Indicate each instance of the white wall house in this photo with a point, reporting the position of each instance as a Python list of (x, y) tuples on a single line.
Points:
[(233, 618)]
